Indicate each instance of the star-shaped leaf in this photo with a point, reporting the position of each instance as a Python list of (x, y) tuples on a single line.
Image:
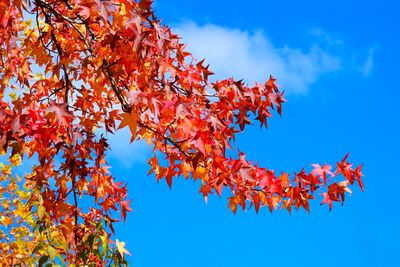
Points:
[(130, 120)]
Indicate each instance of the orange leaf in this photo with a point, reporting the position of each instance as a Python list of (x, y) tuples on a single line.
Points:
[(130, 120)]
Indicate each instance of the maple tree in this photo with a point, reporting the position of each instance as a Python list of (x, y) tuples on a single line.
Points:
[(75, 71)]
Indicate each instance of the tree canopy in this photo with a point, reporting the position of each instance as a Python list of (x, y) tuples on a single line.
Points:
[(72, 73)]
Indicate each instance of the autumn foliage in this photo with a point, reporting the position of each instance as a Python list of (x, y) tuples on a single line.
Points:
[(72, 73)]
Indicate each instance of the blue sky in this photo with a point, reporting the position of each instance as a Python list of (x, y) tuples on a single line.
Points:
[(338, 63)]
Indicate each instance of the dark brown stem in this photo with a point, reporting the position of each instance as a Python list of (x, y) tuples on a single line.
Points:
[(60, 52)]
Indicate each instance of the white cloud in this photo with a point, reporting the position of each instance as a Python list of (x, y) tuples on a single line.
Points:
[(368, 64), (253, 57), (125, 153), (326, 37)]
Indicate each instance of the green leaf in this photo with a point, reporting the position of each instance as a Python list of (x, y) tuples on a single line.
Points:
[(43, 260), (52, 252), (37, 248), (91, 240)]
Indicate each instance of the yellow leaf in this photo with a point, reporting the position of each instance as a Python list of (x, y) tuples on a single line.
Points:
[(121, 248), (54, 234), (6, 169), (21, 210), (41, 211), (13, 95), (104, 242), (52, 252), (122, 10), (46, 27), (27, 23)]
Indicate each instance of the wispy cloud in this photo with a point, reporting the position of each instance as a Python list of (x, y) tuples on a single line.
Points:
[(367, 66), (325, 37), (127, 154), (253, 57)]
